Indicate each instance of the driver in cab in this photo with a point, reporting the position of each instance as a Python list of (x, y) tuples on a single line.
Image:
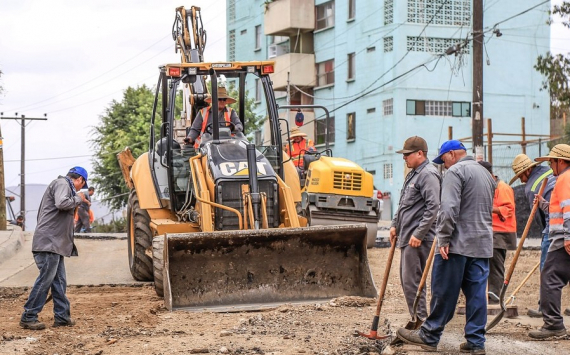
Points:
[(204, 118)]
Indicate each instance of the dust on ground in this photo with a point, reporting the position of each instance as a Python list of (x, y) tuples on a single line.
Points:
[(133, 320)]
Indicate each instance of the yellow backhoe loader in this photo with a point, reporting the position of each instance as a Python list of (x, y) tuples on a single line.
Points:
[(216, 227)]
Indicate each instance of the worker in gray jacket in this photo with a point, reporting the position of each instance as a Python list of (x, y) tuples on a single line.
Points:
[(413, 226), (53, 240), (465, 240)]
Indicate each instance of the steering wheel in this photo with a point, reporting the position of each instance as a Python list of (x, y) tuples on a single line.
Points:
[(210, 127)]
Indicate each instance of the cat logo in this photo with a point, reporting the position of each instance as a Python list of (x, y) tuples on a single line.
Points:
[(240, 168)]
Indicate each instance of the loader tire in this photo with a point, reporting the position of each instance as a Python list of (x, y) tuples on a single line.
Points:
[(139, 240), (157, 265)]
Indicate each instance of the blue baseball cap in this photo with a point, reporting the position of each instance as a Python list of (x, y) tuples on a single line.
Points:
[(447, 147), (80, 171)]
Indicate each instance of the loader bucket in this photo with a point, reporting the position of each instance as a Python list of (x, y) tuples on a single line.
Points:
[(228, 271)]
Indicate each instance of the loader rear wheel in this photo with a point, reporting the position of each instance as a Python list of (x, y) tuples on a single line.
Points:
[(139, 240), (157, 265)]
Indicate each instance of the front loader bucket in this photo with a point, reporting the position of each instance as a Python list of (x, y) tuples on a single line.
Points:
[(254, 269)]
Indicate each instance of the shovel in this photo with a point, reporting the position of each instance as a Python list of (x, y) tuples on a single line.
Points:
[(500, 315), (512, 297), (373, 335), (415, 323)]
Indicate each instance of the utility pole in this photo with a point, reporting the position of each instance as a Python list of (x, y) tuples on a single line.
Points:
[(23, 119), (477, 109)]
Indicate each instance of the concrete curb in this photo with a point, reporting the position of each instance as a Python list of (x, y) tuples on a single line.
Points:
[(11, 240)]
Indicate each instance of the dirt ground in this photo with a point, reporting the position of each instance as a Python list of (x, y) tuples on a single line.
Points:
[(133, 320)]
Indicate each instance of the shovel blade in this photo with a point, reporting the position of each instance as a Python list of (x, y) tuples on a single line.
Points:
[(373, 335)]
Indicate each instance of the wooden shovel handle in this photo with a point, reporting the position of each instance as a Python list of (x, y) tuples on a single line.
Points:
[(429, 261), (385, 279), (525, 233)]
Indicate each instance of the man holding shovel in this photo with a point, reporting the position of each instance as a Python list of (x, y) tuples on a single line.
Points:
[(413, 226), (504, 233), (465, 240), (556, 271), (532, 174)]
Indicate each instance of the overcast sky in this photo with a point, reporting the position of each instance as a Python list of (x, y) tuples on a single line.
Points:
[(70, 59)]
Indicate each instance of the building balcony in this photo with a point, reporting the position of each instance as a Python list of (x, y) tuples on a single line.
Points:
[(301, 69), (286, 17)]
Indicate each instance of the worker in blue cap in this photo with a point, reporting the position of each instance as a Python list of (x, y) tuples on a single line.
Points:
[(53, 240), (465, 244)]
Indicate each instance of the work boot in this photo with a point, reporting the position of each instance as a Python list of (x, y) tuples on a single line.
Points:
[(469, 348), (68, 323), (534, 313), (33, 325), (412, 337), (567, 312), (542, 333)]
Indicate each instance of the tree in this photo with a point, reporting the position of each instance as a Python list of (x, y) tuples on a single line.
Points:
[(556, 69), (124, 124)]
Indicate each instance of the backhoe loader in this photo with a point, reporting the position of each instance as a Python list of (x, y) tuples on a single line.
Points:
[(216, 227)]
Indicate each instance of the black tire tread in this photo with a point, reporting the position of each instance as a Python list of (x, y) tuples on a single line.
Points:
[(158, 262), (141, 262)]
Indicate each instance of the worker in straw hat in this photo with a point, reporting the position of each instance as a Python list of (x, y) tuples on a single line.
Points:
[(298, 147), (204, 117), (532, 174), (556, 272)]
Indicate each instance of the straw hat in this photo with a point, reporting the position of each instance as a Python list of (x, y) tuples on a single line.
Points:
[(295, 132), (521, 164), (222, 94), (559, 151)]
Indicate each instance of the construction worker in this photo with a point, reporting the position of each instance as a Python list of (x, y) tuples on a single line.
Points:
[(298, 147), (556, 272), (413, 226), (52, 241), (204, 117), (504, 233), (465, 240), (532, 174), (83, 219)]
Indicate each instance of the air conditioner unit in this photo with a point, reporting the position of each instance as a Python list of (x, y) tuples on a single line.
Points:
[(276, 50)]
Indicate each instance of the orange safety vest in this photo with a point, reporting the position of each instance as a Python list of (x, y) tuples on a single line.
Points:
[(505, 201), (205, 113), (560, 205), (296, 150)]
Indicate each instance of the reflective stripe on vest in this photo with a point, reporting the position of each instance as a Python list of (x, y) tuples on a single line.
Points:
[(298, 162), (205, 114), (559, 207), (540, 178)]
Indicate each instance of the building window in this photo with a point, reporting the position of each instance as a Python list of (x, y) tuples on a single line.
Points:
[(258, 37), (388, 171), (242, 32), (370, 49), (388, 106), (351, 126), (371, 110), (232, 46), (388, 44), (232, 10), (351, 9), (438, 108), (277, 39), (351, 66), (432, 44), (450, 13), (325, 16), (258, 90), (388, 12), (320, 130), (325, 73)]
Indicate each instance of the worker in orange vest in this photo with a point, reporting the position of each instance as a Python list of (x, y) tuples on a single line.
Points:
[(298, 147), (504, 233), (556, 272), (204, 117)]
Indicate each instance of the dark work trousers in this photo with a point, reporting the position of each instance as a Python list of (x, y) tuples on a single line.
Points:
[(412, 265), (497, 272), (447, 279), (83, 221), (553, 277)]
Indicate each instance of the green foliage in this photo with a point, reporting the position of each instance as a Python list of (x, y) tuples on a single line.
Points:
[(124, 124), (556, 69), (115, 226)]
